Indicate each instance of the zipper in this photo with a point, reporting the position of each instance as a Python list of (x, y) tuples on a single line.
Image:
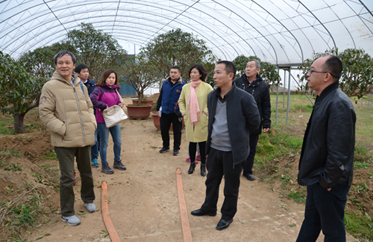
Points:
[(80, 115)]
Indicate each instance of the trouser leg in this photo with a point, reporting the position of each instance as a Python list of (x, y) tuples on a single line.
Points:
[(65, 158), (231, 187), (192, 151), (165, 128), (177, 124), (213, 180), (248, 168), (83, 162), (202, 149), (116, 135)]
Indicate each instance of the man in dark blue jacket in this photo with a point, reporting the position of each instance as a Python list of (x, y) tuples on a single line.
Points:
[(252, 83), (169, 111), (326, 162), (233, 115), (83, 72)]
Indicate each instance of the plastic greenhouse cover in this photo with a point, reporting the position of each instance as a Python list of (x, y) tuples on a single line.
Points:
[(278, 31)]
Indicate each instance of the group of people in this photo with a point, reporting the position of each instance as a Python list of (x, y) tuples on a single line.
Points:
[(224, 123)]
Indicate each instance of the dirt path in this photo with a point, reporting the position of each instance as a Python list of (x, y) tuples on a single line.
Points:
[(143, 200)]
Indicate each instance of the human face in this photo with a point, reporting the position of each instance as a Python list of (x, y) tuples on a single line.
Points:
[(175, 74), (250, 70), (221, 78), (110, 80), (194, 75), (317, 80), (84, 74), (65, 66)]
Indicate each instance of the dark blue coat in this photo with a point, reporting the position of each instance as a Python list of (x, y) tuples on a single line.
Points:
[(90, 84), (169, 96)]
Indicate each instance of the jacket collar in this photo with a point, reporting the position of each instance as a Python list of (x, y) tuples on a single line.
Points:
[(57, 76), (178, 80), (257, 79), (229, 94), (327, 90)]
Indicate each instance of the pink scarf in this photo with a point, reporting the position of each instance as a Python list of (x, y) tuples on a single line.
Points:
[(193, 103)]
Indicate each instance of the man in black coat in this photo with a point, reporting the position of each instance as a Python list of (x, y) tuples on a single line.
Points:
[(252, 83), (233, 115), (326, 162), (83, 72)]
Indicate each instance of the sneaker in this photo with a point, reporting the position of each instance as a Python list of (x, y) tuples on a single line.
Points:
[(74, 178), (188, 160), (106, 169), (118, 165), (95, 163), (176, 152), (198, 157), (164, 150), (91, 207), (71, 220)]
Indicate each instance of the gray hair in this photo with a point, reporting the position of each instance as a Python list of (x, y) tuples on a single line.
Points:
[(62, 53), (257, 63)]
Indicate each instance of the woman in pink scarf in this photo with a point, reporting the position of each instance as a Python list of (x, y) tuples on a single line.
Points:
[(193, 106)]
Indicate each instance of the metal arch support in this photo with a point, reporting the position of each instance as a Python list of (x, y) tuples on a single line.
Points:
[(349, 33), (331, 36), (300, 47), (360, 16), (366, 7), (115, 18), (158, 15), (75, 20)]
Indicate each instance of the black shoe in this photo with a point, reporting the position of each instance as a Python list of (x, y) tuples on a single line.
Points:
[(200, 212), (106, 169), (164, 150), (191, 168), (203, 169), (119, 165), (250, 177), (176, 152), (223, 224)]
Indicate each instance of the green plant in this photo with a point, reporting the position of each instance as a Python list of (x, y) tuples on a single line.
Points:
[(13, 167), (23, 215)]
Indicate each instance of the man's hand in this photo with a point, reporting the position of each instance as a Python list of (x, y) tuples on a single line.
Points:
[(265, 130)]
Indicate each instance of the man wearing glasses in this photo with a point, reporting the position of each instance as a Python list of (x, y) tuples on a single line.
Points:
[(326, 162)]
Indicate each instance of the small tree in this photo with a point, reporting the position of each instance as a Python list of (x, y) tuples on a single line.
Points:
[(98, 50), (175, 48), (139, 73), (357, 73), (19, 91), (268, 72)]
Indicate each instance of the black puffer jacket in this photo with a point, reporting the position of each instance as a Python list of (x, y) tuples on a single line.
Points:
[(260, 90), (328, 145)]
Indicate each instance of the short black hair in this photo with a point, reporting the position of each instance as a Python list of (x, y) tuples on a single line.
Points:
[(62, 53), (175, 67), (333, 65), (202, 71), (229, 67), (80, 67)]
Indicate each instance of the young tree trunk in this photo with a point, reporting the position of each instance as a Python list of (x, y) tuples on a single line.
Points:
[(18, 122)]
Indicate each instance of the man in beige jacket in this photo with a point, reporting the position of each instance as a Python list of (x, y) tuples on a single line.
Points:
[(66, 109)]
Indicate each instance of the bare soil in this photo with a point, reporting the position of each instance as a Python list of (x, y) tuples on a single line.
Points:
[(143, 200)]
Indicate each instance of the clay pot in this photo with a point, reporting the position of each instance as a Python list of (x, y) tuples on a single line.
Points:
[(138, 112), (145, 102), (157, 122)]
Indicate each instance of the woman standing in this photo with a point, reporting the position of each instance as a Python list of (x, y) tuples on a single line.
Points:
[(193, 106), (106, 95)]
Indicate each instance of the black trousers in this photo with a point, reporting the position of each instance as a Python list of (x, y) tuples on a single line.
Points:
[(324, 211), (219, 164), (248, 168), (166, 120), (193, 150)]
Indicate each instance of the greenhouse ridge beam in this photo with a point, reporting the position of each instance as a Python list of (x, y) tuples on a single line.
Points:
[(55, 15)]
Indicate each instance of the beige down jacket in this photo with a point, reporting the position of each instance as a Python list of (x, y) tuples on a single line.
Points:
[(67, 112)]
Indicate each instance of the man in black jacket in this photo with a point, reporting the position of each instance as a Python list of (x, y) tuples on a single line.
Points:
[(233, 115), (252, 83), (326, 162), (83, 72)]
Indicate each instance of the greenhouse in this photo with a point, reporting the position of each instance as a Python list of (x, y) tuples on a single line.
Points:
[(156, 195)]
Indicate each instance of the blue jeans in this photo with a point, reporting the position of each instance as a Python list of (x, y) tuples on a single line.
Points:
[(324, 211), (103, 132), (94, 147)]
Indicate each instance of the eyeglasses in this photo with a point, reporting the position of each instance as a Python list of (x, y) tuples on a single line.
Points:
[(313, 71)]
